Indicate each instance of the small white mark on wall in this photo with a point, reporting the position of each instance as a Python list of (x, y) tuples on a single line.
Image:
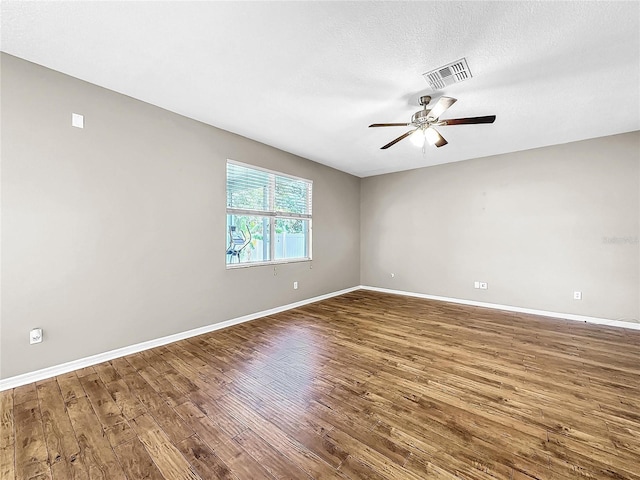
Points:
[(77, 120)]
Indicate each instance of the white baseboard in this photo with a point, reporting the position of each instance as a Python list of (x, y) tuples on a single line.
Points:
[(544, 313), (49, 372)]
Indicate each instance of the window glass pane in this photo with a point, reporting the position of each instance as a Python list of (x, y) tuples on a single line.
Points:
[(247, 239), (292, 195), (247, 188), (291, 238)]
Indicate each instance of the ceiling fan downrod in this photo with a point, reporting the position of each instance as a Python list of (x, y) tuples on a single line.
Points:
[(420, 117)]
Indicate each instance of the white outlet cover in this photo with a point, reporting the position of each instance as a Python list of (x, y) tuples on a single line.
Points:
[(35, 336), (476, 284), (295, 285), (577, 295), (483, 285)]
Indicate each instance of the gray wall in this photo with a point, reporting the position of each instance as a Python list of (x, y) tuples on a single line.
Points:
[(115, 234), (536, 225)]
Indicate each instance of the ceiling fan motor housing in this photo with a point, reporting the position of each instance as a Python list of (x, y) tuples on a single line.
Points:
[(420, 117)]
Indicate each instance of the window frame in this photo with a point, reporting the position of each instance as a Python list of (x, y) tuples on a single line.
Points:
[(272, 215)]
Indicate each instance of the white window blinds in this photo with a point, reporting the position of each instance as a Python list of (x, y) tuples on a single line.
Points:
[(254, 190)]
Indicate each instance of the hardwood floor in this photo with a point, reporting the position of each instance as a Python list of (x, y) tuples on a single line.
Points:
[(365, 385)]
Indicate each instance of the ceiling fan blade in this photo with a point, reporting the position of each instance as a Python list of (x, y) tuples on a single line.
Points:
[(401, 137), (440, 107), (389, 125), (468, 121), (434, 137)]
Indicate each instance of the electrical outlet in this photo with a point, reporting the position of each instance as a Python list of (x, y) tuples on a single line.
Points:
[(483, 285), (476, 284), (577, 295), (393, 275), (295, 285), (35, 336)]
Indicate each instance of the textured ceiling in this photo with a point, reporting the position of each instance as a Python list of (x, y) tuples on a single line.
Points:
[(309, 77)]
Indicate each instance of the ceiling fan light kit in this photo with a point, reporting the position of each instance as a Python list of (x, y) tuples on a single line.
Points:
[(433, 137), (428, 135), (418, 137), (424, 122)]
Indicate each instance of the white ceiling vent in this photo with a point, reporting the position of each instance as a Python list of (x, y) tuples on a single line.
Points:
[(455, 72)]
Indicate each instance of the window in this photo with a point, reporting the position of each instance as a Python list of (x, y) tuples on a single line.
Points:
[(268, 216)]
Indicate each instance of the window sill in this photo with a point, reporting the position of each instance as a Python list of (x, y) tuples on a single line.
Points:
[(234, 266)]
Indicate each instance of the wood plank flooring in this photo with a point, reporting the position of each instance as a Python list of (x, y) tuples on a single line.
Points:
[(365, 385)]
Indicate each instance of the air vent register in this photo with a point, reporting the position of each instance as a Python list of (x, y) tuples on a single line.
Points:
[(441, 77)]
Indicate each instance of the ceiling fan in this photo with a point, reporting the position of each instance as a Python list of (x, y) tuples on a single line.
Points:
[(425, 120)]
